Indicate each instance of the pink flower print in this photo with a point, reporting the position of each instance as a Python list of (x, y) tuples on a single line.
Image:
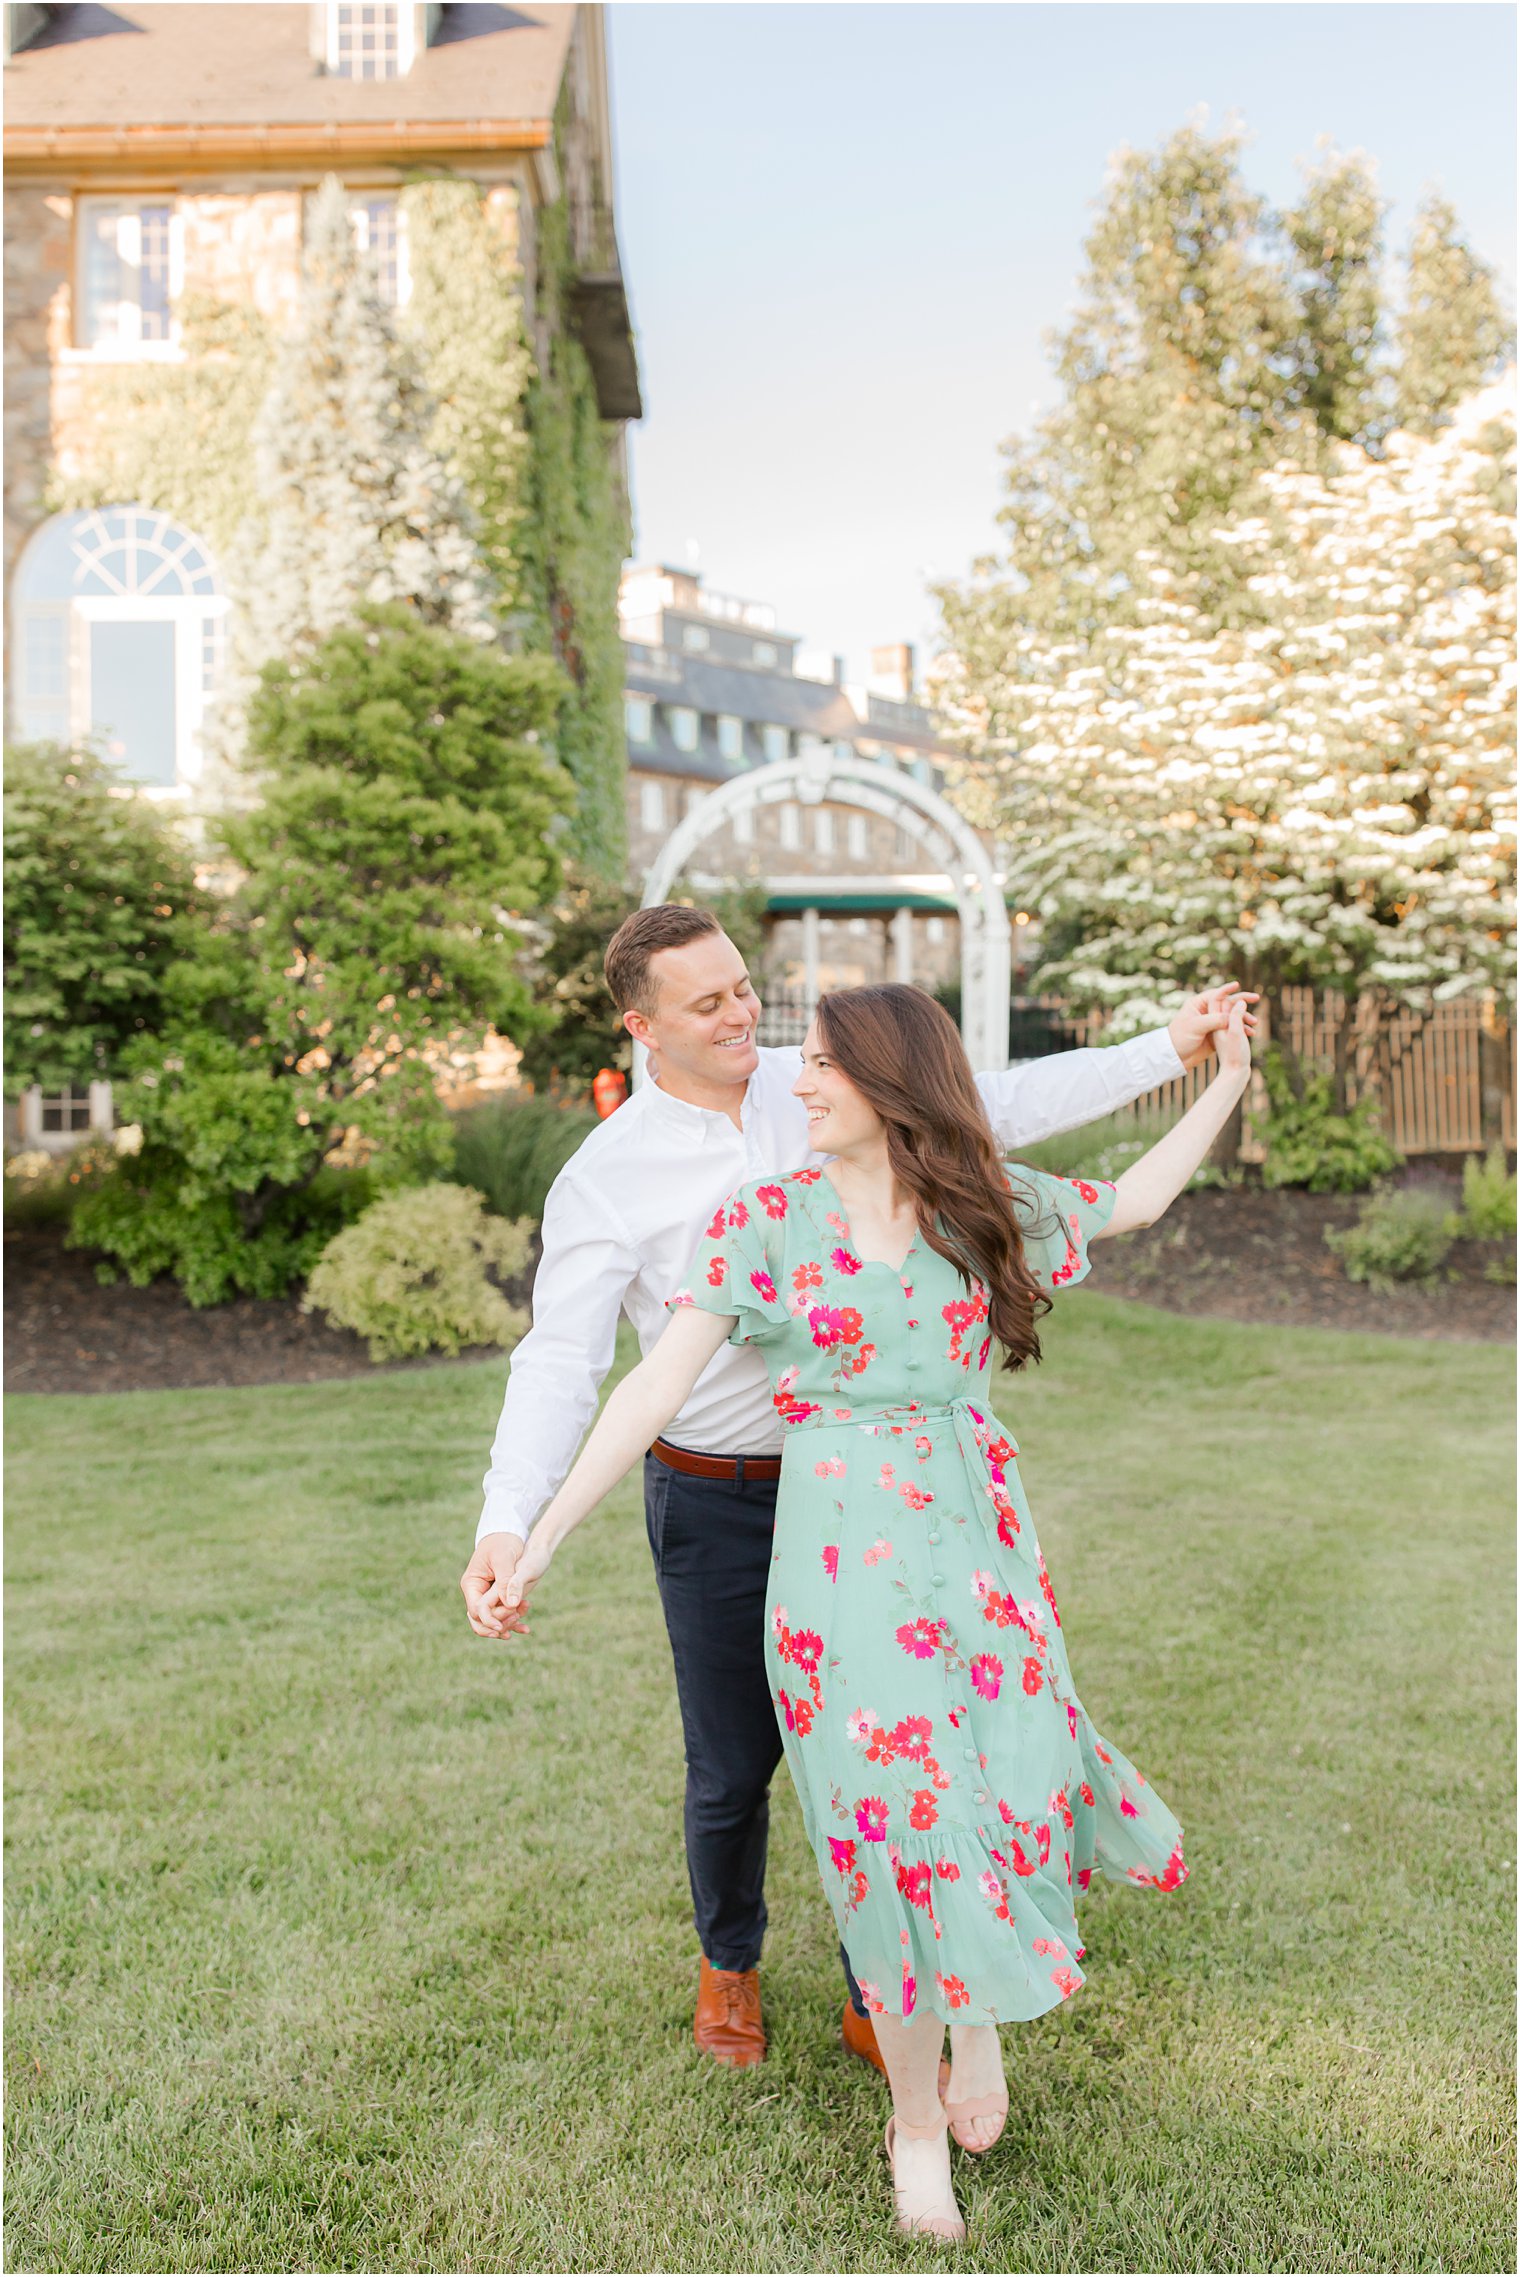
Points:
[(682, 1297), (923, 1447), (765, 1285), (841, 1415), (951, 1991), (1066, 1982), (871, 1818), (739, 1214), (909, 1990), (809, 1276), (916, 1497), (987, 1675), (995, 1894), (831, 1561), (1173, 1873), (860, 1724), (715, 1230), (827, 1324), (841, 1225), (807, 1650), (984, 1352), (956, 1715), (1060, 1804), (1127, 1808), (843, 1261), (717, 1272), (1042, 1843), (877, 1552), (1051, 1948), (1084, 1876), (843, 1854), (886, 1477), (831, 1467), (982, 1586), (947, 1869), (785, 1705), (771, 1200), (925, 1812), (871, 1995), (1047, 1592), (1034, 1675), (778, 1621), (921, 1639), (1071, 1719)]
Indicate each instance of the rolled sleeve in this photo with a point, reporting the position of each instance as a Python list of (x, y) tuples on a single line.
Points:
[(1048, 1096)]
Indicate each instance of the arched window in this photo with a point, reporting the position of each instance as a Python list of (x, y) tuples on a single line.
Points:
[(118, 620)]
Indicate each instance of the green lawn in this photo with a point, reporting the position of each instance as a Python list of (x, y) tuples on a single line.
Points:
[(340, 1939)]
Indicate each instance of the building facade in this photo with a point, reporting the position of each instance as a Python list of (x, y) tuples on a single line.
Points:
[(163, 152), (713, 690)]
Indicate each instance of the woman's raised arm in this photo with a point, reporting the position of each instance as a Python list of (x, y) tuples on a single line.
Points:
[(634, 1416), (1150, 1186)]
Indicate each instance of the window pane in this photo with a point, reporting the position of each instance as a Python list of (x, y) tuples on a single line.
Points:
[(368, 42), (153, 272), (684, 727), (378, 225), (730, 736), (101, 327), (45, 650)]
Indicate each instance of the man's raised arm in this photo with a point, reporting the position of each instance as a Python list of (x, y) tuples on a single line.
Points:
[(1045, 1096)]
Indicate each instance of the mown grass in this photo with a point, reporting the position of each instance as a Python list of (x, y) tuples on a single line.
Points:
[(340, 1939)]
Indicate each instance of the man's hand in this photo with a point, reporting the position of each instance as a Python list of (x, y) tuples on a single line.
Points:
[(486, 1575), (1196, 1026)]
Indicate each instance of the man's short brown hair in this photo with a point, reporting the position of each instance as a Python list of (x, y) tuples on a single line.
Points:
[(668, 925)]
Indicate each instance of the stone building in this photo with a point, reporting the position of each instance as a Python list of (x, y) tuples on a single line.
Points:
[(713, 689), (155, 153)]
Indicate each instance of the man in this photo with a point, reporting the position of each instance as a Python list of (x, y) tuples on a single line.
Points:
[(620, 1226)]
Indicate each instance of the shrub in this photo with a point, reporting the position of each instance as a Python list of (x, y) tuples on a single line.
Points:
[(151, 1216), (1400, 1235), (1488, 1198), (413, 1274), (45, 1189), (1104, 1149), (1309, 1144), (512, 1150)]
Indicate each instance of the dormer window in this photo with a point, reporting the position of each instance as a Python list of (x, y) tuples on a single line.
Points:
[(373, 41)]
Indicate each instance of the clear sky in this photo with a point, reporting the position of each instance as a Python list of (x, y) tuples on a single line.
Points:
[(847, 228)]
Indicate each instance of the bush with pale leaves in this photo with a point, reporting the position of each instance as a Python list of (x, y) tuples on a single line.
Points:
[(414, 1274)]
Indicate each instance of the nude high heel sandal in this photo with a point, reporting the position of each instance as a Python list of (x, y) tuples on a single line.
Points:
[(994, 2106), (937, 2216)]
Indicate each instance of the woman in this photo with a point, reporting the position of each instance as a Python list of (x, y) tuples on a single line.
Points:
[(954, 1791)]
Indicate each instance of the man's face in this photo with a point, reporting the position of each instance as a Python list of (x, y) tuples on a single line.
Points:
[(705, 1018)]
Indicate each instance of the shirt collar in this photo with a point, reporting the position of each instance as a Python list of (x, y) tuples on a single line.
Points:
[(697, 1125)]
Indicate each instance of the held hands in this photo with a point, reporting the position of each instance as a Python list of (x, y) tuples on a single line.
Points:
[(1197, 1029), (497, 1580), (1232, 1042)]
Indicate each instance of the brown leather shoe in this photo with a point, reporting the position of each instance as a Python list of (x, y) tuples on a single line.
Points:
[(728, 2026), (859, 2036)]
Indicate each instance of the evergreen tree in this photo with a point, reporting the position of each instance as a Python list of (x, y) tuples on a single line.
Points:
[(1336, 236), (1452, 333), (359, 506)]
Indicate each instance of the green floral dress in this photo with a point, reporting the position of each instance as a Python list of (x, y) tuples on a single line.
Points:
[(954, 1791)]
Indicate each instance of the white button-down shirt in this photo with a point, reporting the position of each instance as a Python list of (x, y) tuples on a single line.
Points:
[(625, 1214)]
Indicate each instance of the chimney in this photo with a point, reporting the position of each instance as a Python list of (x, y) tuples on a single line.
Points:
[(892, 672)]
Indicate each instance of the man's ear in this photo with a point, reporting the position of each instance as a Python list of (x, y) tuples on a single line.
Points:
[(638, 1027)]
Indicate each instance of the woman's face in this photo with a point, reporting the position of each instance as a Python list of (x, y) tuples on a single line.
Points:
[(840, 1118)]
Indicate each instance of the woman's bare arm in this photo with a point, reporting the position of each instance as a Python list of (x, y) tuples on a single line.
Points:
[(1148, 1188)]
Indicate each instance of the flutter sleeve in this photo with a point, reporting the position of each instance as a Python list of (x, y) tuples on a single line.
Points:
[(732, 1271), (1059, 1217)]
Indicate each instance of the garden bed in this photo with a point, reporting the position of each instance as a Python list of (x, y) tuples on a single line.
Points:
[(1234, 1254)]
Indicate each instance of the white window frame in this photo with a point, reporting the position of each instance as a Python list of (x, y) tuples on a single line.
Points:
[(125, 343), (685, 727), (855, 837), (823, 831), (730, 736), (773, 742), (406, 42), (360, 201), (638, 720), (789, 822), (651, 805)]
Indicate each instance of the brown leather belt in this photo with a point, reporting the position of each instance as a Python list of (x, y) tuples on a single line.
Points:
[(736, 1469)]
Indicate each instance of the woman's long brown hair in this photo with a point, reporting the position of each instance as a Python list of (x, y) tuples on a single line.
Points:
[(903, 1053)]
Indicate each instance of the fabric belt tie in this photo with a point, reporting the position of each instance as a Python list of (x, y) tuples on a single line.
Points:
[(735, 1470)]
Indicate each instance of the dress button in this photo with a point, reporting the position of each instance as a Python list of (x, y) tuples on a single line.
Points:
[(933, 1540), (912, 1363), (936, 1581), (970, 1754)]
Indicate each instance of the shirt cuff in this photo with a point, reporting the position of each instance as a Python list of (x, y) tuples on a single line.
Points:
[(500, 1518)]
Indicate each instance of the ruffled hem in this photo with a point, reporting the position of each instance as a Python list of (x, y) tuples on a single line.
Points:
[(980, 1926)]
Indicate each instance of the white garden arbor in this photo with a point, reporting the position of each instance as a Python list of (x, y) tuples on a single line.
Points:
[(822, 773)]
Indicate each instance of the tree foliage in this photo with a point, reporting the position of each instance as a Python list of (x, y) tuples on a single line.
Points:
[(1451, 331), (409, 805), (96, 881)]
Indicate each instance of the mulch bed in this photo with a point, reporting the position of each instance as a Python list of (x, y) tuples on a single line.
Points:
[(1232, 1254)]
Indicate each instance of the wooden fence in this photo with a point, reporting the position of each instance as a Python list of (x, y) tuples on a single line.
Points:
[(1443, 1081)]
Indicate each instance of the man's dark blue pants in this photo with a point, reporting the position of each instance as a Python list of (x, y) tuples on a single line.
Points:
[(712, 1544)]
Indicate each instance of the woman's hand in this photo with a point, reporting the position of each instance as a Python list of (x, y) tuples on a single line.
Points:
[(1232, 1042), (509, 1599)]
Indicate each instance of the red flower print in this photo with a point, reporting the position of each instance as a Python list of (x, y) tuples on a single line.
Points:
[(1066, 1982), (923, 1447), (771, 1200), (1022, 1864), (1033, 1675), (1087, 1794), (807, 1650), (1000, 1453), (911, 1737), (831, 1561), (871, 1995), (1060, 1801), (802, 1710), (1050, 1947), (925, 1811), (879, 1748), (785, 1705), (843, 1262), (827, 1324), (947, 1869), (951, 1991), (984, 1352), (871, 1818), (1042, 1843), (1088, 1193), (842, 1853), (1101, 1752), (807, 1276), (921, 1639), (1084, 1876), (765, 1285), (738, 1213), (1048, 1593), (715, 1230), (987, 1675), (803, 1177), (856, 1363), (717, 1272), (1173, 1873), (852, 1324), (913, 1883)]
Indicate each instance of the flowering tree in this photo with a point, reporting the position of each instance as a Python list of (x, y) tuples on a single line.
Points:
[(1318, 792)]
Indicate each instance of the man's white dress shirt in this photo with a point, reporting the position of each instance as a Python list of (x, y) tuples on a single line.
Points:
[(625, 1214)]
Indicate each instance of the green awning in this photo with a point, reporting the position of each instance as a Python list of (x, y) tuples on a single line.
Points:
[(858, 904)]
